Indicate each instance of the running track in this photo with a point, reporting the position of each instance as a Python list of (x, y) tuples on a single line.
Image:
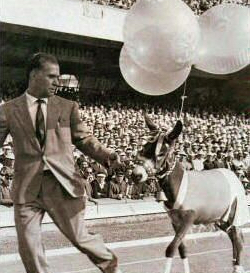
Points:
[(209, 253)]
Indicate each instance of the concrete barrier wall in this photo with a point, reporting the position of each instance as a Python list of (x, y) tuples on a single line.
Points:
[(107, 208)]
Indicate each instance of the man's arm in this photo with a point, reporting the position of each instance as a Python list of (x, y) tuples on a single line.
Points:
[(4, 128), (83, 139)]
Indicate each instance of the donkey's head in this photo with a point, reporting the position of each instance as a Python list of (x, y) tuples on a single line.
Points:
[(157, 155)]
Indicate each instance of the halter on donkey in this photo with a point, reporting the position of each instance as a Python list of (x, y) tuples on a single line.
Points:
[(214, 196)]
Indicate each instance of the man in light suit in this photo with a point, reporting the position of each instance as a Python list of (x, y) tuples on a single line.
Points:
[(43, 127)]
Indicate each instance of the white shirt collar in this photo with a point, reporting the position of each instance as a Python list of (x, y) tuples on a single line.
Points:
[(32, 100)]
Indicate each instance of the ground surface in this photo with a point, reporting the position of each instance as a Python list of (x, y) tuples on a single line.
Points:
[(207, 254)]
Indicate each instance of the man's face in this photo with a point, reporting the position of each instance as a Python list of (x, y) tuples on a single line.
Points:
[(129, 172), (100, 179), (119, 178), (7, 180), (88, 172), (45, 80), (84, 164)]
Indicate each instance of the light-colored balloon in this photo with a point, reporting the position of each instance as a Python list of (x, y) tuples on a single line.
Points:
[(161, 35), (147, 82), (225, 39)]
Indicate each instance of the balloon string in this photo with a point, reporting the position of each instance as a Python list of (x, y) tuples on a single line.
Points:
[(183, 97)]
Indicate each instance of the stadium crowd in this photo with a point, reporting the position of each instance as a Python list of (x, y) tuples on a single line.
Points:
[(209, 140), (198, 6)]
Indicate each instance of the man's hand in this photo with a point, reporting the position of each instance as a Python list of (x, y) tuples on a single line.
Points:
[(119, 197), (114, 161)]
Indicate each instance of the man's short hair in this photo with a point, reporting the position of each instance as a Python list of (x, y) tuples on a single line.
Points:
[(37, 60)]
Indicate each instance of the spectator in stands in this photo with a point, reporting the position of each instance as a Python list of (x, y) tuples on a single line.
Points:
[(238, 163), (209, 163), (129, 189), (219, 161), (229, 161), (128, 175), (184, 161), (245, 182), (9, 160), (151, 186), (246, 162), (100, 186), (5, 192), (136, 191), (198, 162), (82, 164), (88, 190), (118, 186)]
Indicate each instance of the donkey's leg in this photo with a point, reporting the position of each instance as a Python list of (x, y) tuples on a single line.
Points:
[(183, 254), (235, 236), (182, 220), (182, 251)]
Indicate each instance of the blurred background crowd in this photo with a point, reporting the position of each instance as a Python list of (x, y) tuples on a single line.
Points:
[(198, 6), (213, 135), (210, 139)]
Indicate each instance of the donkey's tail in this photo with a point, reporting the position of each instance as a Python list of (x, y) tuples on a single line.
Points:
[(232, 213), (241, 235)]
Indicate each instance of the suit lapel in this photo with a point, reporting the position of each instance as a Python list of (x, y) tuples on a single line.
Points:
[(23, 116)]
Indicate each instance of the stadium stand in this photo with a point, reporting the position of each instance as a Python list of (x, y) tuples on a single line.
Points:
[(220, 137), (198, 6)]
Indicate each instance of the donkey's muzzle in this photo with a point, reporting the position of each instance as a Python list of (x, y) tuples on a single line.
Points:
[(139, 174)]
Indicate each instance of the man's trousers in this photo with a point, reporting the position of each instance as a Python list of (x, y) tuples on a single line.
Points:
[(67, 213)]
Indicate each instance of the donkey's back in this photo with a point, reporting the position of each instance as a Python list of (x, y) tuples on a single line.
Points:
[(215, 195)]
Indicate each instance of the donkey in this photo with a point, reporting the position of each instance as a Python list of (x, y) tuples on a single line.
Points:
[(193, 197)]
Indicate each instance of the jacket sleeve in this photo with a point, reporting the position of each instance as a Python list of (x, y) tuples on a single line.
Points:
[(83, 139), (4, 128)]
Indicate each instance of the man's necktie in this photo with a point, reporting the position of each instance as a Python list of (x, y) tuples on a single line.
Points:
[(40, 125)]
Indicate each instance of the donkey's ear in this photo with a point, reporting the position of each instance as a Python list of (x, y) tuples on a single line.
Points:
[(150, 124), (176, 131)]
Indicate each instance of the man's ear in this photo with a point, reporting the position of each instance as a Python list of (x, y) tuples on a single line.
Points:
[(32, 74)]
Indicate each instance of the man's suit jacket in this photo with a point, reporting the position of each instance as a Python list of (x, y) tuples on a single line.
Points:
[(63, 129)]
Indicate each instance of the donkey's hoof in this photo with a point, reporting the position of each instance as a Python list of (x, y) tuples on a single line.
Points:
[(238, 269)]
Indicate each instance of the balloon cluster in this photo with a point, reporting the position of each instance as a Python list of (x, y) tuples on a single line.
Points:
[(164, 38)]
